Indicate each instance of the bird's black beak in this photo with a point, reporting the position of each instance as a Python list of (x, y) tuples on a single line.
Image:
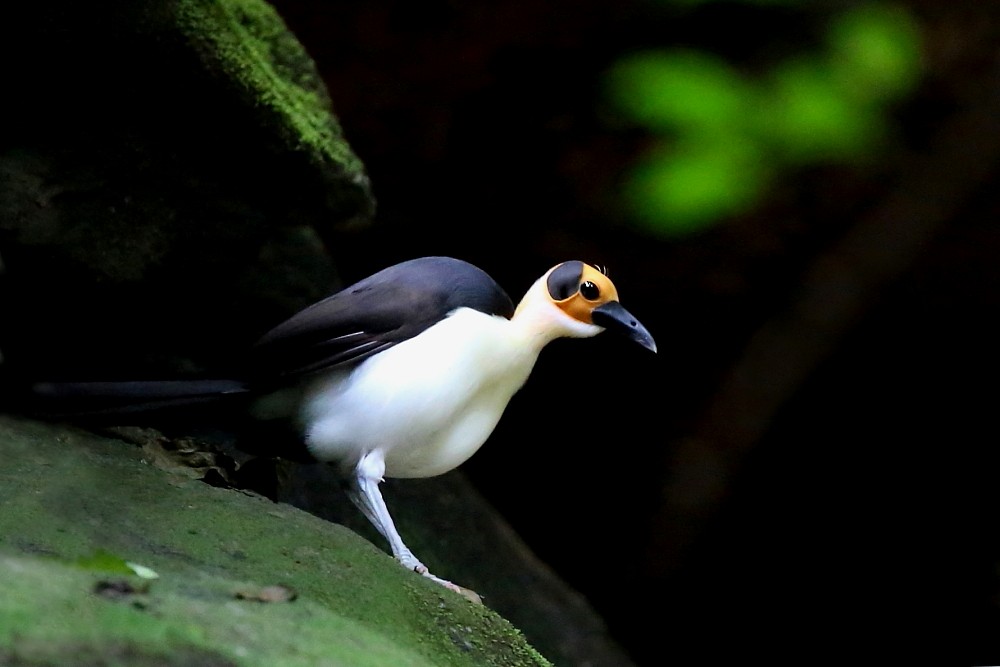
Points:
[(613, 317)]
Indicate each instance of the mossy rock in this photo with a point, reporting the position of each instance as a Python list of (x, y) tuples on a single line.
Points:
[(77, 507), (169, 169)]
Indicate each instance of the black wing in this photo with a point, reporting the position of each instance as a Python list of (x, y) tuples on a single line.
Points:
[(374, 314)]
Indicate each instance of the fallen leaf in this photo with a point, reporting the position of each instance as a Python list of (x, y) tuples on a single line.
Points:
[(276, 593), (142, 571)]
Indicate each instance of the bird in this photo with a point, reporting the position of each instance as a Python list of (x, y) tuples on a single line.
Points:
[(406, 373)]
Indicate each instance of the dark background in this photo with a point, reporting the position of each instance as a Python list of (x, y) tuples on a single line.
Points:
[(807, 468)]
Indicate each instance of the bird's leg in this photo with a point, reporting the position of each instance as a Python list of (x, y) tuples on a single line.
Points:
[(364, 492)]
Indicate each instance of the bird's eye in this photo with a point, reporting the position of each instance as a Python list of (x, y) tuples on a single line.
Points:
[(589, 290)]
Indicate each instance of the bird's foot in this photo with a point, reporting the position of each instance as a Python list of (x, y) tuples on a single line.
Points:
[(422, 570), (467, 593)]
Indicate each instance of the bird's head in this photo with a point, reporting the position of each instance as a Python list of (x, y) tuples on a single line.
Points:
[(577, 300)]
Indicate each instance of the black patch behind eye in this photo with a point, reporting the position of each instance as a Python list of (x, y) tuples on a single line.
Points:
[(564, 280)]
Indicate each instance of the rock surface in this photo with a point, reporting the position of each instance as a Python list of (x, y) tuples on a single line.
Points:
[(239, 579)]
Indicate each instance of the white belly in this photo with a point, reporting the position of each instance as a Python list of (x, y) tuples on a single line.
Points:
[(428, 403)]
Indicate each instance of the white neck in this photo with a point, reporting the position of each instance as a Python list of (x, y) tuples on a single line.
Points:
[(539, 321)]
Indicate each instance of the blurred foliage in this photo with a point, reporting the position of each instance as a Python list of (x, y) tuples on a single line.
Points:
[(722, 136)]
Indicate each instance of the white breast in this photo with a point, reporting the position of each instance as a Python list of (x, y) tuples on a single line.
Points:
[(428, 403)]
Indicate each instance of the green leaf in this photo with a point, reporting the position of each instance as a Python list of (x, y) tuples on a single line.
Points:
[(688, 188), (809, 119), (104, 561), (875, 51), (678, 89)]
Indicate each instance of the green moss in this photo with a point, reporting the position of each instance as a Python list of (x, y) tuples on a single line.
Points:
[(248, 44), (179, 615), (67, 494)]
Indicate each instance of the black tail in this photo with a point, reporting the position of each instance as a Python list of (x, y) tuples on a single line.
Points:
[(137, 398)]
